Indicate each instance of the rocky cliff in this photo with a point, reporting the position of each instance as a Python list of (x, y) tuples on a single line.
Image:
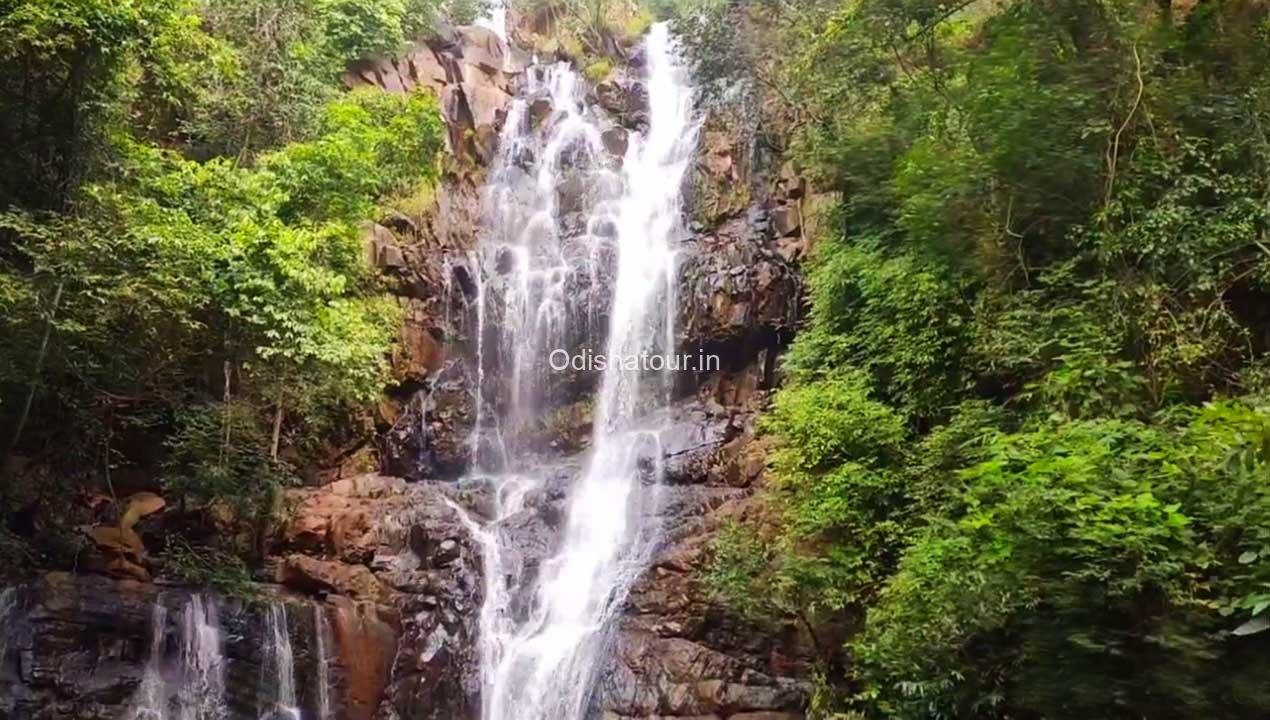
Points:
[(378, 574)]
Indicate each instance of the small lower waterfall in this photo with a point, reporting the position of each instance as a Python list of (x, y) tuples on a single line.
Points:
[(277, 668), (202, 691), (541, 664), (195, 689), (151, 702), (322, 645)]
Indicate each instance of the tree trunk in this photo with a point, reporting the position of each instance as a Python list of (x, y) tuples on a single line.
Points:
[(35, 377), (277, 425)]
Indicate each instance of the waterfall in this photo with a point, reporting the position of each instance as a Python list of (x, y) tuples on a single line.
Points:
[(277, 668), (201, 695), (542, 667), (322, 641), (496, 19), (532, 260), (151, 700), (196, 691)]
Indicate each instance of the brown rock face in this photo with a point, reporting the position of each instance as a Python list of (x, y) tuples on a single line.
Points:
[(738, 295), (80, 646), (403, 553), (316, 577), (677, 653), (365, 646), (466, 72), (338, 521)]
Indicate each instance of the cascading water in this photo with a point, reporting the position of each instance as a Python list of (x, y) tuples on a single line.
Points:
[(528, 246), (541, 665), (151, 700), (196, 690), (277, 668), (496, 20), (202, 691), (322, 642)]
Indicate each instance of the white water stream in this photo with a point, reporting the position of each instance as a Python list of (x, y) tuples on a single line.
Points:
[(195, 688), (323, 644), (277, 668), (540, 663)]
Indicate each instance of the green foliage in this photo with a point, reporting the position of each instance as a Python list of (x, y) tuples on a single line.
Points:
[(1021, 464), (599, 70), (372, 144), (1086, 552), (221, 451), (209, 567), (61, 64), (899, 317), (255, 75), (832, 421), (261, 266), (839, 501), (182, 280), (459, 12)]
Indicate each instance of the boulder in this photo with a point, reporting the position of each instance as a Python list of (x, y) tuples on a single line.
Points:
[(381, 249), (482, 48), (138, 506), (625, 98), (787, 220), (616, 140), (339, 520), (314, 576), (540, 111)]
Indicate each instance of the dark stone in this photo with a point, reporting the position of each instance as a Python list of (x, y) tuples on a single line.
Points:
[(616, 141)]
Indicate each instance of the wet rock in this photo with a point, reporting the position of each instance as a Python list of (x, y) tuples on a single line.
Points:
[(418, 353), (691, 440), (429, 440), (78, 646), (435, 673), (678, 655), (539, 111), (625, 98), (365, 647), (422, 572), (616, 141), (447, 552)]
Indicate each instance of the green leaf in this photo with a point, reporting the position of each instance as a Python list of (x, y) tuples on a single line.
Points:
[(1253, 626)]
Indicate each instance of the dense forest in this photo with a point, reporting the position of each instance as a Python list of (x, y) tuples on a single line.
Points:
[(181, 276), (1020, 457), (1023, 451)]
